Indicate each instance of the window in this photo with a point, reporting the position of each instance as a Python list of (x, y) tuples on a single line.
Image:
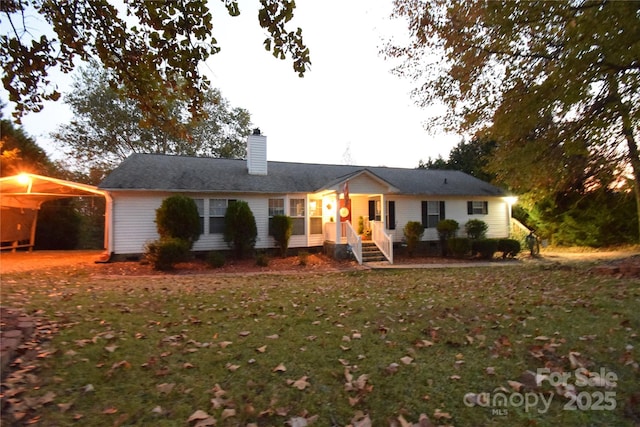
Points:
[(200, 205), (315, 216), (432, 213), (276, 207), (217, 211), (296, 212), (477, 207)]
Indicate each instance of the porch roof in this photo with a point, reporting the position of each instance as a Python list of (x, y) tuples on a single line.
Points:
[(155, 172)]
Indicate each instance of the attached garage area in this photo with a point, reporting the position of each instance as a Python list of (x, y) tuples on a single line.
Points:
[(21, 197)]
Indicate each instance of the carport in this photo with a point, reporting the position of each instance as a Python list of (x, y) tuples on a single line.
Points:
[(21, 197)]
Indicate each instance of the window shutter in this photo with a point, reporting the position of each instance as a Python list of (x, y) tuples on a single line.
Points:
[(372, 210), (470, 208), (391, 215), (486, 207), (425, 217), (442, 214)]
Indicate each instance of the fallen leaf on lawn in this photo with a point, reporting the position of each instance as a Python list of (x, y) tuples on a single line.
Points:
[(424, 343), (158, 410), (187, 365), (198, 415), (353, 401), (541, 338), (228, 413), (49, 397), (273, 337), (361, 420), (232, 367), (261, 349), (439, 414), (490, 370), (345, 348), (110, 410), (88, 388), (301, 421), (64, 407), (300, 384), (356, 336), (165, 388), (346, 338), (225, 344), (111, 348), (244, 333), (406, 360), (515, 385), (424, 421), (392, 368), (280, 368), (344, 362), (403, 422), (455, 377)]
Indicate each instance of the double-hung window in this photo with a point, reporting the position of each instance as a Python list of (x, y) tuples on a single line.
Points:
[(217, 212), (432, 213), (296, 212), (315, 216), (276, 207), (477, 207), (200, 205)]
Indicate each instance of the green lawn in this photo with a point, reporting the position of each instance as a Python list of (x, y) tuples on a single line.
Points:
[(362, 348)]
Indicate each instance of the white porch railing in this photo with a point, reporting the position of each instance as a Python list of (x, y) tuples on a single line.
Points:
[(355, 241), (383, 240)]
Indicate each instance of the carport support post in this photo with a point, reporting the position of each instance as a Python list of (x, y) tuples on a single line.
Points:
[(34, 224)]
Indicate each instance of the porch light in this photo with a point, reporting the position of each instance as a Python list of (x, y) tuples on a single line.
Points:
[(511, 200)]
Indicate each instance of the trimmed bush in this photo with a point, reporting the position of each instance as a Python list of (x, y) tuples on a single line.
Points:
[(281, 229), (476, 229), (164, 253), (240, 231), (178, 217), (262, 259), (459, 247), (216, 259), (486, 248), (447, 229), (509, 247), (303, 256), (413, 232)]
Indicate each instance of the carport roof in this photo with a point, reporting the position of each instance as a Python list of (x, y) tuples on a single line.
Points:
[(29, 191)]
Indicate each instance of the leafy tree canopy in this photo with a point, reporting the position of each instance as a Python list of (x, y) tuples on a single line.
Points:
[(152, 47), (106, 128), (557, 84), (20, 153), (469, 157)]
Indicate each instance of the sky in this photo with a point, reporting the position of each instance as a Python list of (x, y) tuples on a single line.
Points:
[(348, 108)]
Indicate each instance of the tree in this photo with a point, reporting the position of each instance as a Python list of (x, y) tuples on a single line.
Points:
[(178, 217), (107, 128), (20, 153), (240, 230), (281, 229), (469, 157), (557, 84), (151, 47)]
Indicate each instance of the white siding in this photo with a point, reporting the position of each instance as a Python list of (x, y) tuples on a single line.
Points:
[(410, 209)]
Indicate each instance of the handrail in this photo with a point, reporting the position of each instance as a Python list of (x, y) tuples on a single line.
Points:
[(383, 241), (355, 241)]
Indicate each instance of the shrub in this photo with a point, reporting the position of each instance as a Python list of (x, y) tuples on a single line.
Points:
[(164, 253), (262, 259), (459, 247), (281, 229), (486, 248), (178, 217), (447, 229), (413, 232), (240, 231), (476, 229), (302, 257), (216, 259), (508, 247)]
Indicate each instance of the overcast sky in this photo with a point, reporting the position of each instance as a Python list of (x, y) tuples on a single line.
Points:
[(347, 108)]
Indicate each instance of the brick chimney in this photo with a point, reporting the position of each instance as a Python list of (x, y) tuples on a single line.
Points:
[(257, 153)]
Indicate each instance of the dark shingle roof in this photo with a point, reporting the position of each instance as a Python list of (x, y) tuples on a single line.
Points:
[(202, 174)]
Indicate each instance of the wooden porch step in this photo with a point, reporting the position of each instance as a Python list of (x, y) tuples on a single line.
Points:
[(371, 253)]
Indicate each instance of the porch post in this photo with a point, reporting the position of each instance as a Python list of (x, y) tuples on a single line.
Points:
[(383, 212), (338, 219)]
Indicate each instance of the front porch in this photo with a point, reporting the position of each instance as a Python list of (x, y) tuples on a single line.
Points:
[(342, 241)]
